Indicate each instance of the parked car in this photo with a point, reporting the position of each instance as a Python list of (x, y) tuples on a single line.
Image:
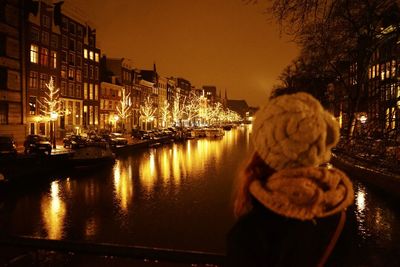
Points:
[(37, 144), (119, 139), (75, 141), (115, 139), (7, 146)]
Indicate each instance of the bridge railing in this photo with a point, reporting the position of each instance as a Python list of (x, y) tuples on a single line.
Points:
[(192, 258)]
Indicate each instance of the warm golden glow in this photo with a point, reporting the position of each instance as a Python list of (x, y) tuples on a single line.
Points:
[(34, 54), (147, 171), (123, 186), (53, 212), (360, 201)]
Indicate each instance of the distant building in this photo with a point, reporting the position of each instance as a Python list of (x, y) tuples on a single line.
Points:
[(184, 87), (210, 92), (240, 107), (110, 98), (121, 72)]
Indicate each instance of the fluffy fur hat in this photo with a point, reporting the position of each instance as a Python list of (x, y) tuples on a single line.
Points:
[(293, 131)]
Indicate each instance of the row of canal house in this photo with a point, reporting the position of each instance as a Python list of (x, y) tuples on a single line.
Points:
[(40, 40), (378, 116)]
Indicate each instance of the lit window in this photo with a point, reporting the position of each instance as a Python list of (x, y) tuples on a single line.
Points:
[(34, 54), (85, 90), (53, 59), (91, 55), (96, 57), (85, 53), (71, 74), (90, 91), (44, 56), (63, 72), (78, 76), (96, 92), (393, 72), (32, 105)]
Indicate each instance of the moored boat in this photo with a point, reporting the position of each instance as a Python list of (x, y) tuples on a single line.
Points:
[(214, 132), (92, 156)]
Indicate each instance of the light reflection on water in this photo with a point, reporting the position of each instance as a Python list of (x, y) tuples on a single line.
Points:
[(173, 196), (377, 222), (53, 212)]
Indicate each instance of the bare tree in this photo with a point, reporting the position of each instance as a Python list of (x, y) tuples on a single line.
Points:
[(339, 34)]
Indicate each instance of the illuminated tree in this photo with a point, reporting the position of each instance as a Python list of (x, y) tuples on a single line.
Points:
[(50, 103), (178, 109), (191, 108), (164, 113), (203, 109), (214, 113), (147, 110), (124, 106)]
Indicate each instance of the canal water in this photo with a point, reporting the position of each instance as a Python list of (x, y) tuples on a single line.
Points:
[(174, 196)]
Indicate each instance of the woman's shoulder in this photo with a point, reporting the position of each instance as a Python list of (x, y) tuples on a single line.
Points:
[(263, 236)]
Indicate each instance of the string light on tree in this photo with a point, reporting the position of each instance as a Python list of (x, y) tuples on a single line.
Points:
[(124, 106)]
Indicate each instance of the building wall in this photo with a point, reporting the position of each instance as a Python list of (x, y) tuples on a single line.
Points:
[(109, 100), (91, 81), (384, 89), (11, 86), (42, 60)]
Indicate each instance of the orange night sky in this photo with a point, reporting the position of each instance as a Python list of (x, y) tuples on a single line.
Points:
[(225, 43)]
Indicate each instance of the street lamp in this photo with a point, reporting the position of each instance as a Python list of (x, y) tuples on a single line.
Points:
[(53, 118), (116, 118), (363, 119)]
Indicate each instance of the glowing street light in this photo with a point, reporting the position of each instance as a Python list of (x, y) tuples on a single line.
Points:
[(53, 118)]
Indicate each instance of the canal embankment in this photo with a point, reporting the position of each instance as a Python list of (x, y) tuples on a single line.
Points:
[(22, 167), (384, 179)]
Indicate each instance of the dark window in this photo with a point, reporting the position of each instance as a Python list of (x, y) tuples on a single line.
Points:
[(85, 70), (79, 47), (91, 41), (64, 24), (54, 41), (46, 21), (3, 42), (71, 59), (45, 38), (43, 81), (91, 72), (2, 10), (72, 27), (96, 73), (71, 44), (3, 113), (79, 31), (63, 56), (3, 78), (35, 34), (79, 61), (71, 88), (33, 79), (64, 42)]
